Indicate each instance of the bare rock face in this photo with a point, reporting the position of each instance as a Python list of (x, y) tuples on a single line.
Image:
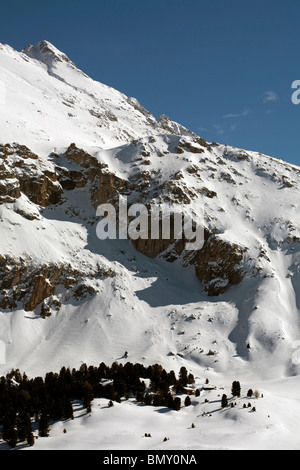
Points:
[(29, 286), (25, 284), (217, 264), (102, 184), (9, 189), (154, 248), (41, 289), (106, 187), (23, 172)]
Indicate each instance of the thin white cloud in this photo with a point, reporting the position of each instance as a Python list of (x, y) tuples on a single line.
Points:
[(242, 114), (270, 97), (218, 128)]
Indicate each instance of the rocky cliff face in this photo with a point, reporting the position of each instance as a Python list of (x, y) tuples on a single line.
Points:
[(219, 264), (24, 284), (23, 172)]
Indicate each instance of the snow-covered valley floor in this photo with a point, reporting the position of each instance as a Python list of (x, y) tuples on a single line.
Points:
[(271, 423)]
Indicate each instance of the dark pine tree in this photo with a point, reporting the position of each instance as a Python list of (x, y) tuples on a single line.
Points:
[(12, 441), (87, 396), (177, 404), (9, 432), (170, 401), (183, 376), (187, 401), (224, 401), (236, 388), (182, 380), (68, 408), (44, 425), (30, 439), (23, 423), (148, 399)]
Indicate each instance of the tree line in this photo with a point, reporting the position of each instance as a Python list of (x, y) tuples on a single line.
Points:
[(27, 402)]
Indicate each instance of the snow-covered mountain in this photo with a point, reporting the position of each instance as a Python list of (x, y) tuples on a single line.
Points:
[(69, 143)]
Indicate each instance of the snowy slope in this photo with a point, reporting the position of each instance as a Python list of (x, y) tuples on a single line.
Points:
[(49, 102), (107, 297)]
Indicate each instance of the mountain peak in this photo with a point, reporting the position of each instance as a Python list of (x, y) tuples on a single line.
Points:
[(46, 52)]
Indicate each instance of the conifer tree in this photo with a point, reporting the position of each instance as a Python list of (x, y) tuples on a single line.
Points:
[(170, 401), (23, 423), (9, 432), (182, 380), (183, 377), (224, 401), (87, 391), (191, 378), (30, 439), (177, 404), (68, 409), (149, 399), (187, 401), (44, 425), (171, 378), (12, 441), (236, 388)]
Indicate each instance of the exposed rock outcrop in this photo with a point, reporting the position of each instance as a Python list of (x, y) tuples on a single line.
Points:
[(23, 172), (28, 285), (217, 264)]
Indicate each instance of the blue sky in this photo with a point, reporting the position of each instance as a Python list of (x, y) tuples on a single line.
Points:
[(222, 68)]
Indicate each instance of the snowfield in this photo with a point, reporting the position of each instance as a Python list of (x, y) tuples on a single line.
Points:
[(157, 311)]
